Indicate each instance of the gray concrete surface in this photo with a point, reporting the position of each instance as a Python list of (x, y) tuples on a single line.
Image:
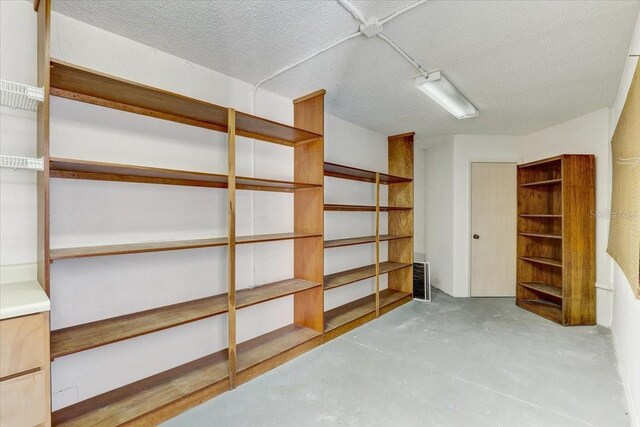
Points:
[(452, 362)]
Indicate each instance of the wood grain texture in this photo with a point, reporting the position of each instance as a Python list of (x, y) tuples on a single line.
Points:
[(153, 399), (353, 275), (377, 264), (90, 170), (271, 291), (231, 253), (21, 342), (102, 332), (347, 172), (401, 222), (361, 240), (363, 208), (356, 313), (81, 84), (578, 240), (308, 210), (169, 245), (556, 239), (23, 400), (43, 9), (267, 351)]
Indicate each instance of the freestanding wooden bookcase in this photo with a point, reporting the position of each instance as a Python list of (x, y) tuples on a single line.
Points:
[(556, 239), (399, 267)]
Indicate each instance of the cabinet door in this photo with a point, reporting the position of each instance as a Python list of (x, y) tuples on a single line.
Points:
[(22, 401), (21, 344)]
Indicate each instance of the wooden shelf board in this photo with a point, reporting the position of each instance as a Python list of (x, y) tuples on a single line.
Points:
[(81, 84), (261, 238), (363, 208), (146, 401), (347, 172), (169, 245), (543, 235), (260, 349), (355, 313), (541, 162), (545, 182), (85, 169), (268, 292), (540, 215), (346, 277), (543, 308), (544, 288), (133, 248), (543, 260), (360, 240), (95, 334)]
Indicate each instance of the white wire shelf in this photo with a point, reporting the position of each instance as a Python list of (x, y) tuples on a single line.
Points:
[(23, 163), (20, 96)]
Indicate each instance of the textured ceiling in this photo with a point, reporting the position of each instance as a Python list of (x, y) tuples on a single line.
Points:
[(525, 65)]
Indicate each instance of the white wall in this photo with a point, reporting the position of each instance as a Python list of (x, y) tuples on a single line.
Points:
[(96, 212), (626, 308), (438, 202), (588, 134)]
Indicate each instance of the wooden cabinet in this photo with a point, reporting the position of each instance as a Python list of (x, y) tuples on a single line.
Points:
[(24, 367), (556, 239)]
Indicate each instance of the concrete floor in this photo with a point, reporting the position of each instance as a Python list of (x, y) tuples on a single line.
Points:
[(452, 362)]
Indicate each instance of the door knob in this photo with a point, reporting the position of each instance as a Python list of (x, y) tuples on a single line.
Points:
[(475, 236)]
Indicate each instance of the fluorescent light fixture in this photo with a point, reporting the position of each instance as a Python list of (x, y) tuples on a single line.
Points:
[(444, 93)]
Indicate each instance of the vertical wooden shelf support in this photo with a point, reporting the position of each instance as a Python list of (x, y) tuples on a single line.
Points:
[(309, 211), (377, 244), (43, 9), (401, 222), (231, 257)]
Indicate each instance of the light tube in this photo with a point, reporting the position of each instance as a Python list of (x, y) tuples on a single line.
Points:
[(444, 93)]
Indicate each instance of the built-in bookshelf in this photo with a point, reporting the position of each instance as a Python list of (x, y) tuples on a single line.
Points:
[(556, 239)]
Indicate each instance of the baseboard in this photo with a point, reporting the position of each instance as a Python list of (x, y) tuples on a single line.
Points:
[(18, 273), (634, 416)]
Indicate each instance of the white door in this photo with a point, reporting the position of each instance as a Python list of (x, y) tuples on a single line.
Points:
[(493, 229)]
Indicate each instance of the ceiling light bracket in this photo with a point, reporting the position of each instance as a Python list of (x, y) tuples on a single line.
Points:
[(371, 28)]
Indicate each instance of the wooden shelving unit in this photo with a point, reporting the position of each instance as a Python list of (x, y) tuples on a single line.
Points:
[(556, 239), (162, 396), (399, 268)]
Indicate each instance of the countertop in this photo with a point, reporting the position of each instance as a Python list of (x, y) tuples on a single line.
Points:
[(22, 298)]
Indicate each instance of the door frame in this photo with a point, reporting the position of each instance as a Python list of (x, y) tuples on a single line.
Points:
[(516, 162)]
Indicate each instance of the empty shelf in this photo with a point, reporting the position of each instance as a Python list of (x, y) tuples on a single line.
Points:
[(84, 169), (545, 235), (544, 182), (360, 240), (261, 238), (168, 245), (363, 208), (355, 310), (133, 248), (348, 172), (543, 260), (95, 334), (188, 384), (544, 288), (260, 349), (248, 297), (81, 84), (346, 277), (543, 308)]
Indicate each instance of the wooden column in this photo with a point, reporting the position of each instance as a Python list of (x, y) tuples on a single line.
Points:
[(401, 222), (377, 244), (309, 211), (43, 9), (231, 224)]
